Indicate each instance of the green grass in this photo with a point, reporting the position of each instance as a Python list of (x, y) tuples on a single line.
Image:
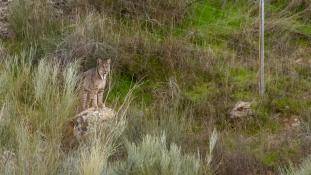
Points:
[(213, 23), (201, 91), (120, 86)]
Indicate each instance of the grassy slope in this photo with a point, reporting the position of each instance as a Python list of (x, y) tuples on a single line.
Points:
[(214, 26), (227, 33)]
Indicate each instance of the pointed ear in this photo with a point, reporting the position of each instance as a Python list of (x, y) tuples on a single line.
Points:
[(99, 61)]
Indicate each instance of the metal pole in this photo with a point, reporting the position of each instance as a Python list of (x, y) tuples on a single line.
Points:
[(262, 48)]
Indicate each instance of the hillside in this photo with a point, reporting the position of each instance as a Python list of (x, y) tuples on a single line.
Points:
[(179, 68)]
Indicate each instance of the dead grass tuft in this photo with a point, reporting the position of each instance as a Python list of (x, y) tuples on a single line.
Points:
[(154, 12)]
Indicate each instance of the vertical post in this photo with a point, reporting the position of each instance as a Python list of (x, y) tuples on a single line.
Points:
[(262, 49)]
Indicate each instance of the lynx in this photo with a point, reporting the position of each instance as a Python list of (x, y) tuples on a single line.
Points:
[(93, 85)]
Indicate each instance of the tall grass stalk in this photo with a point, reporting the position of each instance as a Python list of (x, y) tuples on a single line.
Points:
[(33, 20), (304, 169)]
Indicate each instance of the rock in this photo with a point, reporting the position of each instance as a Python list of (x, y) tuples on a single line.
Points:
[(85, 124), (291, 122), (303, 62), (241, 110)]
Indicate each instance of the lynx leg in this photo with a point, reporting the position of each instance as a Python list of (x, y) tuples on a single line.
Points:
[(84, 100), (100, 99), (94, 99)]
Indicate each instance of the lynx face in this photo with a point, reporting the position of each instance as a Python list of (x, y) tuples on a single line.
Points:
[(103, 67)]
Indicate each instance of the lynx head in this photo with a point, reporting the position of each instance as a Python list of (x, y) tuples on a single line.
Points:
[(103, 67)]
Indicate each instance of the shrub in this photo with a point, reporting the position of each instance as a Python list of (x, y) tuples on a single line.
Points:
[(37, 100), (156, 12), (33, 20), (241, 163), (43, 96), (143, 56), (93, 36), (154, 156)]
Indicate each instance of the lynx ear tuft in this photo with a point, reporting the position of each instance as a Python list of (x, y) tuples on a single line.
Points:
[(99, 61)]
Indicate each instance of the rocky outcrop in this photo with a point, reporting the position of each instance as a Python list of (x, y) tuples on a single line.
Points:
[(241, 110), (85, 124)]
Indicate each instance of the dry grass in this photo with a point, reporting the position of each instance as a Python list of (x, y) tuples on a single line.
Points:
[(153, 12), (155, 156), (304, 169), (33, 20)]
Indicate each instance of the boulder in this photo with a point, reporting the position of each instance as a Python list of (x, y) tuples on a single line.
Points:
[(291, 122), (241, 110), (85, 124)]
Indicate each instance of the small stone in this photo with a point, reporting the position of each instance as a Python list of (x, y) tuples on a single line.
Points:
[(299, 61), (241, 109), (291, 122)]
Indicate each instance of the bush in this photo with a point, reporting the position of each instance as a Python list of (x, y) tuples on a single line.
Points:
[(43, 96), (239, 162), (143, 56), (94, 36), (33, 20), (154, 156), (154, 12)]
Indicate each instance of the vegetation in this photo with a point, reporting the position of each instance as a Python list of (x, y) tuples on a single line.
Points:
[(179, 66), (304, 169)]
